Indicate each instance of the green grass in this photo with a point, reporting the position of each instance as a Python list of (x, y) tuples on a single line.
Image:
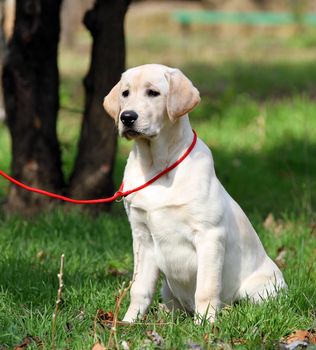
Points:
[(264, 156), (30, 260), (258, 117)]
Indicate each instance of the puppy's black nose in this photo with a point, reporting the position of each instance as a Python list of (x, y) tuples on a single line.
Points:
[(128, 117)]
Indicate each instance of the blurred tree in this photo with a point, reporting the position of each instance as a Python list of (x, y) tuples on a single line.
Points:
[(92, 175), (2, 48), (30, 85), (31, 80)]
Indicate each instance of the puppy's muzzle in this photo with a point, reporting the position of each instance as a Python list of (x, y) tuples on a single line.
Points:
[(128, 118)]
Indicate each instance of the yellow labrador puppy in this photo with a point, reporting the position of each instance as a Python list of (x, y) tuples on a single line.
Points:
[(185, 224)]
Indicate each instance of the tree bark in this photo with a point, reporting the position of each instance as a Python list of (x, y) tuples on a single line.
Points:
[(2, 48), (30, 81), (92, 175)]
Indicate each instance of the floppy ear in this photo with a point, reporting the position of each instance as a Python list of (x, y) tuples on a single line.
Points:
[(182, 96), (111, 101)]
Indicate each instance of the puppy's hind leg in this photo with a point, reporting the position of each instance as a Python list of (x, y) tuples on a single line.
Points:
[(262, 284)]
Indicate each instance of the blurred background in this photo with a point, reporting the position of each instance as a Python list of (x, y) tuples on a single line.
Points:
[(254, 64)]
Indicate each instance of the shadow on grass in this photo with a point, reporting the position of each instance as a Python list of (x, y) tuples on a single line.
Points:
[(30, 283), (97, 249), (261, 81), (281, 181)]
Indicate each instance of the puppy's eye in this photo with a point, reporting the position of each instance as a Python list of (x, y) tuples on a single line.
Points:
[(125, 93), (152, 93)]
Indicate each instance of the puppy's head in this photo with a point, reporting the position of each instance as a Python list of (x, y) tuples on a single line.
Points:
[(147, 98)]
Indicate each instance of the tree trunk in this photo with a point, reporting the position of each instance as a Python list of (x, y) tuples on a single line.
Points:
[(30, 81), (92, 175), (2, 48)]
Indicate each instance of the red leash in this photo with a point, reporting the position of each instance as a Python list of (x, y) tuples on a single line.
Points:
[(119, 193)]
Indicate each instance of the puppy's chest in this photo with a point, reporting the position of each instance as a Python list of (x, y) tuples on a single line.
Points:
[(169, 232)]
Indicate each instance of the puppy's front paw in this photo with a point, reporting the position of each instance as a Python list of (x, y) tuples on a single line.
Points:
[(206, 310), (200, 319), (129, 319), (132, 315)]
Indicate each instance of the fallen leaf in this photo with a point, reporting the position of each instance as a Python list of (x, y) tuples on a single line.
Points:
[(25, 342), (105, 318), (309, 336), (163, 307), (206, 337), (28, 340), (238, 341), (116, 272), (98, 346), (312, 227), (155, 338), (269, 221), (276, 226), (299, 338), (280, 259)]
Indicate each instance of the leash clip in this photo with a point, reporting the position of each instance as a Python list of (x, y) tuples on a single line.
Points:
[(119, 194)]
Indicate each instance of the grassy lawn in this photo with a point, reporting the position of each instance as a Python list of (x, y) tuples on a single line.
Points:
[(259, 118)]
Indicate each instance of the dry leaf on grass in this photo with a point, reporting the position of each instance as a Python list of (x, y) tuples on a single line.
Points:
[(239, 341), (104, 318), (312, 227), (275, 226), (299, 338), (155, 338), (28, 340), (280, 259), (98, 346), (269, 222), (309, 336), (113, 271), (163, 307)]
